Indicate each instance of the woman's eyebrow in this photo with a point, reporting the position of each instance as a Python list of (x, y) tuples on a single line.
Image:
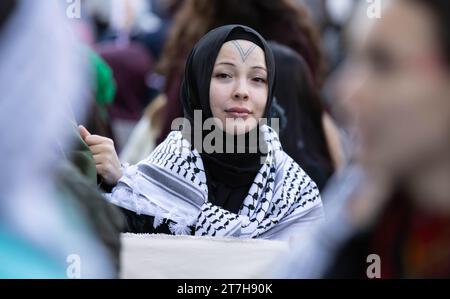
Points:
[(225, 63), (232, 64), (259, 67)]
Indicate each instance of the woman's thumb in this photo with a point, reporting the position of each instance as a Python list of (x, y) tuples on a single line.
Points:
[(83, 132)]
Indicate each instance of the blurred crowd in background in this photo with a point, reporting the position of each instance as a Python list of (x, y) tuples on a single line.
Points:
[(363, 101)]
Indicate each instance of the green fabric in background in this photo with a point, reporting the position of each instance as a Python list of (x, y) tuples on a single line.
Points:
[(105, 84)]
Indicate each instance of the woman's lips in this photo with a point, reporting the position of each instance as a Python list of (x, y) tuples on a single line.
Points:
[(238, 112)]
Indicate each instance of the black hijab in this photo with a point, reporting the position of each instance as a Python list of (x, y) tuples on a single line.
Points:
[(229, 175), (303, 139)]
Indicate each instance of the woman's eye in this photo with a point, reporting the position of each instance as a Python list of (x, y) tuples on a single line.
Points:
[(259, 80), (381, 61), (222, 76)]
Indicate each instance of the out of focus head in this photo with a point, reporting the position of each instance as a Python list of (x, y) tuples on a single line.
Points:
[(400, 92)]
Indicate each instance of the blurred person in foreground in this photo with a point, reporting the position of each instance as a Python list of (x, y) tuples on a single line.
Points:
[(394, 201), (50, 225)]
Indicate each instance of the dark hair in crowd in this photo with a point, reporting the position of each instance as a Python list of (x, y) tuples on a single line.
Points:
[(304, 137), (441, 11), (283, 21), (6, 8)]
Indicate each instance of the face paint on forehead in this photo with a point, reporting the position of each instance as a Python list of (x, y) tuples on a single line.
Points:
[(244, 53)]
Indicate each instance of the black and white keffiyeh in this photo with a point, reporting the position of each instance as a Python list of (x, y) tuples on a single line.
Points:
[(171, 184)]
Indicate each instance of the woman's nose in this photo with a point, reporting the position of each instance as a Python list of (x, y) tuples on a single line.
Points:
[(241, 91)]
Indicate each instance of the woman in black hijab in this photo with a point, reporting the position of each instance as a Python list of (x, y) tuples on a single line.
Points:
[(229, 175), (202, 179)]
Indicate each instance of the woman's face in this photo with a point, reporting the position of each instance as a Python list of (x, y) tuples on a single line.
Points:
[(400, 97), (239, 88)]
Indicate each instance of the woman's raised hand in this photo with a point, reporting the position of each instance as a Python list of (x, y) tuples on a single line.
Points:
[(106, 160)]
